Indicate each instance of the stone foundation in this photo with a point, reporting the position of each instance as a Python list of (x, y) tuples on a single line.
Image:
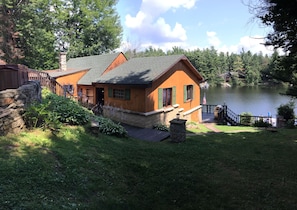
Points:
[(12, 105), (149, 119)]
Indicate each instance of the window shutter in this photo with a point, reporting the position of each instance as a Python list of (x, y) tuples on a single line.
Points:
[(173, 95), (127, 94), (160, 98), (185, 93), (194, 90), (110, 92)]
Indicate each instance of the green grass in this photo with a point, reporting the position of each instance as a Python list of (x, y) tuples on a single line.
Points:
[(75, 170), (201, 128), (231, 129), (193, 127)]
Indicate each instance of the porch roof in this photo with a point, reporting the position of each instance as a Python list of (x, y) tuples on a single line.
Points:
[(58, 73), (96, 63)]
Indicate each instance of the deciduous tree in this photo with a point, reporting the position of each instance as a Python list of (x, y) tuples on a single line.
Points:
[(88, 27), (35, 31), (281, 16)]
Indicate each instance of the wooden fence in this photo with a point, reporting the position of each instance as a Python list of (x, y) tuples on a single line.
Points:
[(14, 76)]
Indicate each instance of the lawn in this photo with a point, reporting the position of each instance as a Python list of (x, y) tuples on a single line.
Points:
[(75, 170)]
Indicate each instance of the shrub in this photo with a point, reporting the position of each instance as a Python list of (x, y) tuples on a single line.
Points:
[(69, 111), (37, 115), (262, 123), (54, 110), (245, 118), (161, 127), (108, 127), (290, 123), (287, 111)]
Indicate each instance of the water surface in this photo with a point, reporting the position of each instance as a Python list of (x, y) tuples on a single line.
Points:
[(256, 100)]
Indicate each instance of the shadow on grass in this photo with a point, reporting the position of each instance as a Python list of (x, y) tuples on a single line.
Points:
[(75, 170)]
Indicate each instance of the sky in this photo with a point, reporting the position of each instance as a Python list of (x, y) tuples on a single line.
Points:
[(227, 25)]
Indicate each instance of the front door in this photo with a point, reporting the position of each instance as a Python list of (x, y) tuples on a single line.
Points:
[(100, 96)]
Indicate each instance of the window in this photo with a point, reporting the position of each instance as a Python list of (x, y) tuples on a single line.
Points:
[(188, 92), (119, 93), (167, 97), (68, 88)]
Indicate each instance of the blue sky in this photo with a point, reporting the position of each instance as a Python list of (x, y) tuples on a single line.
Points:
[(190, 24)]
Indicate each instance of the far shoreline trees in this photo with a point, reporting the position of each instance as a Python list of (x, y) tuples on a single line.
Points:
[(238, 69)]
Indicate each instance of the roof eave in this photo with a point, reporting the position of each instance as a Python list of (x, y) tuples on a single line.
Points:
[(144, 85)]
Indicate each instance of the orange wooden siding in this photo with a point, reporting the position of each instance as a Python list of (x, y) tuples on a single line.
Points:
[(177, 77), (146, 99), (118, 61), (135, 103), (71, 79), (89, 91), (87, 94)]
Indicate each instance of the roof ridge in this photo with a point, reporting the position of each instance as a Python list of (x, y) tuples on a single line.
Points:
[(101, 55)]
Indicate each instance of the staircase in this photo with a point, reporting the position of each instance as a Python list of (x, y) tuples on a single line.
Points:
[(223, 115), (230, 117)]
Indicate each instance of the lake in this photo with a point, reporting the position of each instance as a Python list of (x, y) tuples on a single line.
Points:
[(255, 100)]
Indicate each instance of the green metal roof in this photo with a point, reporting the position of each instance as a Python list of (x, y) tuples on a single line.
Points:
[(140, 71), (96, 63)]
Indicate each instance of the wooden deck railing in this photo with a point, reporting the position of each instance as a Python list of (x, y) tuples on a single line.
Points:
[(225, 115), (14, 76), (49, 82)]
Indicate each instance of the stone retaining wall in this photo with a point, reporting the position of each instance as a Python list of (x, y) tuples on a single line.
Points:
[(12, 105), (149, 119)]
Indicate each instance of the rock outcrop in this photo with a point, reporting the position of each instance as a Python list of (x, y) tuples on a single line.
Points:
[(12, 105)]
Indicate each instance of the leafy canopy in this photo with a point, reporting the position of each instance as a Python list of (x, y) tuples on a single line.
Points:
[(281, 16), (35, 31)]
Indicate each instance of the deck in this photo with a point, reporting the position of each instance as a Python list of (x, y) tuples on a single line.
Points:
[(207, 117)]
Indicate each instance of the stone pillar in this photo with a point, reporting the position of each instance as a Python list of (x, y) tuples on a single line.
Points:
[(178, 130)]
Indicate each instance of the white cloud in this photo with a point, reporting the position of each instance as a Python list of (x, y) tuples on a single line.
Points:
[(253, 44), (213, 39), (164, 46), (177, 33), (152, 28), (135, 22), (157, 7)]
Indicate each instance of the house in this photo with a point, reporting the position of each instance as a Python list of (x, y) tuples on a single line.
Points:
[(77, 74), (68, 80), (141, 91), (151, 90)]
